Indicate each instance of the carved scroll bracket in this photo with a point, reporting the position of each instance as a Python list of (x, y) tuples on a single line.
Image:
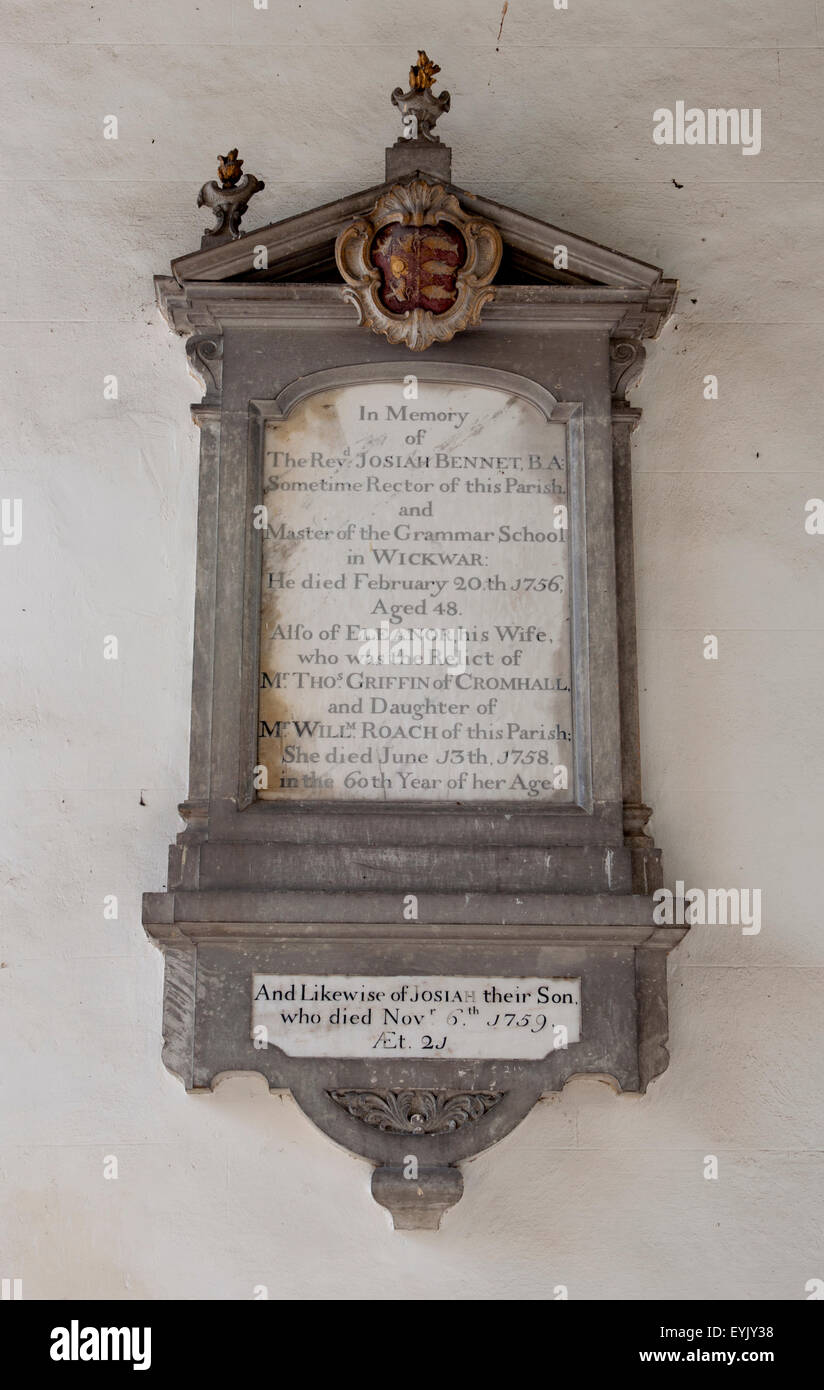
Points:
[(627, 357), (205, 354)]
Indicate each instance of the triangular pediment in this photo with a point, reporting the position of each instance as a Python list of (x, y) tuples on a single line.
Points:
[(302, 249)]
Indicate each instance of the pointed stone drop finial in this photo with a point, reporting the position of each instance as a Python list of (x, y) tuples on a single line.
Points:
[(228, 200), (417, 1204)]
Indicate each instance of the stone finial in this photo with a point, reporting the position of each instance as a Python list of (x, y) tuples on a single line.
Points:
[(419, 106), (228, 200)]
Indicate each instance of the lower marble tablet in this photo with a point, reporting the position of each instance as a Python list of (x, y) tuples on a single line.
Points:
[(416, 1015)]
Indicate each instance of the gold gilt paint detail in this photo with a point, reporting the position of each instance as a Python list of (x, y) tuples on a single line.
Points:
[(422, 73)]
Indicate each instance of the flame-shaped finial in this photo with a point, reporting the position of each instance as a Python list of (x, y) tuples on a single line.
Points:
[(422, 73), (419, 106), (229, 169)]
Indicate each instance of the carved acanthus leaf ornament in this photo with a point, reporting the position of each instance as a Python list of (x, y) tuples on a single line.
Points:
[(417, 1112)]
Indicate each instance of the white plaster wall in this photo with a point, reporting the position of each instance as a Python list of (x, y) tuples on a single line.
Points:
[(219, 1193)]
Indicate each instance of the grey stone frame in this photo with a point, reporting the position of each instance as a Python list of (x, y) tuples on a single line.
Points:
[(225, 693), (503, 889)]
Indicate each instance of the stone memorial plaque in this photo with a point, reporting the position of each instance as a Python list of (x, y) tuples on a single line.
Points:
[(415, 802), (416, 1015), (415, 632)]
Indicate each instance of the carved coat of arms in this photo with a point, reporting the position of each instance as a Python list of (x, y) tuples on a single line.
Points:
[(418, 268)]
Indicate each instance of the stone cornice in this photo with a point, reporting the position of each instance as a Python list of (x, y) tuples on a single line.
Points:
[(202, 305)]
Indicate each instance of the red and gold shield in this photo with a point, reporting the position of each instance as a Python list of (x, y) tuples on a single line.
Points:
[(418, 265)]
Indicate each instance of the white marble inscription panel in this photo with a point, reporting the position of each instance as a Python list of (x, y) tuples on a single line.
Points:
[(415, 1015), (415, 640)]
